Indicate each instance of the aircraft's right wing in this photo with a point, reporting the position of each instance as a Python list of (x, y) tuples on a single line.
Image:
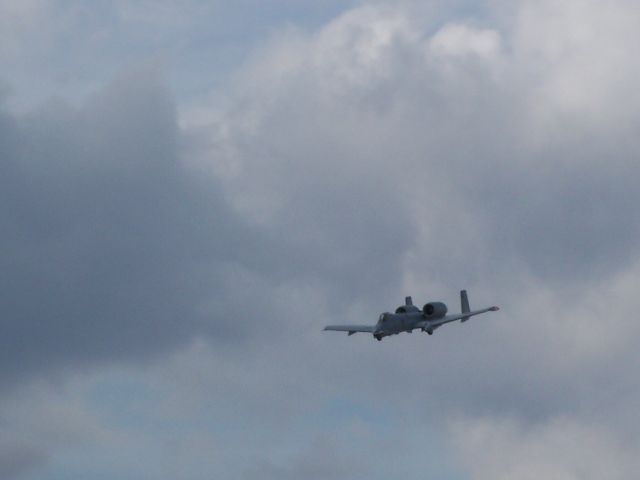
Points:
[(350, 328)]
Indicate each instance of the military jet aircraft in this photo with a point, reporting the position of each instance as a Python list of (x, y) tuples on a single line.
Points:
[(409, 317)]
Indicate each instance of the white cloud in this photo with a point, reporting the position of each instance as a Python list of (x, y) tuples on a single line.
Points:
[(460, 39), (577, 56), (478, 166), (562, 448)]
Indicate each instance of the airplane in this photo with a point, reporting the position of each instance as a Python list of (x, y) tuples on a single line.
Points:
[(409, 317)]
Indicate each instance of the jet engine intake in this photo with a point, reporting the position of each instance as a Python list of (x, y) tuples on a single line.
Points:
[(434, 309)]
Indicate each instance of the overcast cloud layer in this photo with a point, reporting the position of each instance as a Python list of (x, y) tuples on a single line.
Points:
[(176, 233)]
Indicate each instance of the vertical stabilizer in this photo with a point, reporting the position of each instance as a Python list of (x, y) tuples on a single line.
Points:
[(408, 301), (464, 304)]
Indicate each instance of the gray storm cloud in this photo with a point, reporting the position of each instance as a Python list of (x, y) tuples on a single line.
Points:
[(110, 246), (16, 459)]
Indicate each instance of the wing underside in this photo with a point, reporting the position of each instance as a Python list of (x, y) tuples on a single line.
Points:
[(462, 316), (351, 329)]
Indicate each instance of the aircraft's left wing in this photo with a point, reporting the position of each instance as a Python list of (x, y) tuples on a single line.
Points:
[(460, 316), (350, 328)]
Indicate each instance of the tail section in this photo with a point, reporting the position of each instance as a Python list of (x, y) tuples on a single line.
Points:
[(464, 303)]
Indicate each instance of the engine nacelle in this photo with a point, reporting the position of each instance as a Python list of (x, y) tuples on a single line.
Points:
[(434, 309), (407, 309)]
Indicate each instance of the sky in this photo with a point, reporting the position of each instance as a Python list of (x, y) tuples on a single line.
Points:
[(190, 191)]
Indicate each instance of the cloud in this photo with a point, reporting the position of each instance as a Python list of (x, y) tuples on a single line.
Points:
[(18, 20), (53, 47), (428, 135), (456, 40), (436, 158), (387, 153), (321, 461), (112, 249), (562, 448), (16, 460)]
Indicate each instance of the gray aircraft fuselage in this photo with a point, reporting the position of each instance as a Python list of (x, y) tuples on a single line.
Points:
[(393, 323), (409, 318)]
